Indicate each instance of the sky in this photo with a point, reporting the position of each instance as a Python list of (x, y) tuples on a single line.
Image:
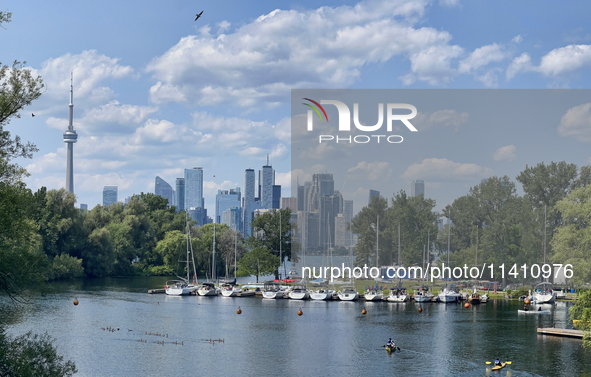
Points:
[(156, 92)]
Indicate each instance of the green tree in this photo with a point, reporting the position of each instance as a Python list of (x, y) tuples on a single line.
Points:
[(581, 311), (98, 256), (32, 355), (365, 249), (259, 262), (272, 230), (231, 240), (170, 249), (572, 240)]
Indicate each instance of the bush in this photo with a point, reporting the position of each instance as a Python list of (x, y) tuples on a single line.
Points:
[(66, 267)]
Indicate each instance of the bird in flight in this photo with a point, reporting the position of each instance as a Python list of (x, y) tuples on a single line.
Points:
[(198, 15), (32, 114)]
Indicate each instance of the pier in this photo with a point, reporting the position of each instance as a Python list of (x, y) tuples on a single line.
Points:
[(569, 333)]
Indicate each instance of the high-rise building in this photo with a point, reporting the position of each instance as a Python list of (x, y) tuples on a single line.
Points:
[(300, 198), (180, 194), (84, 207), (266, 183), (276, 196), (162, 188), (417, 188), (373, 193), (199, 214), (291, 203), (194, 188), (127, 199), (70, 137), (231, 217), (226, 199), (109, 195), (249, 188), (341, 234)]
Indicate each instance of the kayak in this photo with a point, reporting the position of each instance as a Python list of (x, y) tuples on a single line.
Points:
[(390, 349), (499, 367), (547, 311)]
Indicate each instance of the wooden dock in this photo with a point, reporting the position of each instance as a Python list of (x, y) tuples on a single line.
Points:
[(159, 290), (561, 332)]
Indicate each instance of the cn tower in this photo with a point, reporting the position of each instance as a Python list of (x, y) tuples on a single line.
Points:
[(70, 137)]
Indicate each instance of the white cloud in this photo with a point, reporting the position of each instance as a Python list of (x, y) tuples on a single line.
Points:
[(114, 112), (506, 153), (565, 59), (158, 130), (371, 171), (278, 151), (250, 151), (576, 123), (448, 117), (517, 39), (255, 64), (490, 79), (442, 169), (481, 57), (449, 3), (522, 63)]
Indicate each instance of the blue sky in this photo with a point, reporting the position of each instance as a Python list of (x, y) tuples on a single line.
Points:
[(156, 92)]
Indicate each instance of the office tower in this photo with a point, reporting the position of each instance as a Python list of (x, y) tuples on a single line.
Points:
[(231, 217), (348, 209), (199, 214), (308, 230), (300, 198), (291, 203), (341, 238), (249, 189), (84, 207), (417, 188), (70, 137), (266, 183), (162, 188), (127, 199), (326, 184), (225, 199), (180, 194), (276, 196), (326, 222), (194, 188), (109, 195), (373, 193)]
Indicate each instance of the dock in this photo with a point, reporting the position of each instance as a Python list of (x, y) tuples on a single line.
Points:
[(159, 290), (561, 332)]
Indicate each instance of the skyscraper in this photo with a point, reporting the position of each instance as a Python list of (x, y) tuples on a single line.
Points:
[(417, 188), (70, 137), (162, 188), (266, 182), (249, 189), (224, 200), (109, 195), (276, 203), (180, 194), (194, 188), (231, 217), (373, 193)]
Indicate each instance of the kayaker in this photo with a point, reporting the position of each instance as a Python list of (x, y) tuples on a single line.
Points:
[(390, 343), (540, 309), (497, 362)]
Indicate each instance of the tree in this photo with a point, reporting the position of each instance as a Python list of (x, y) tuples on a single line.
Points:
[(231, 240), (272, 230), (32, 355), (361, 224), (259, 262), (581, 311), (572, 240)]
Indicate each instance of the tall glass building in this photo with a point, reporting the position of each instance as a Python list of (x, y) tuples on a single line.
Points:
[(109, 195), (224, 200), (266, 183), (417, 188), (249, 188), (180, 194), (162, 188), (194, 188)]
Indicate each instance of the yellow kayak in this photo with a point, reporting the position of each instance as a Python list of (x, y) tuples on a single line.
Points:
[(390, 349), (499, 367)]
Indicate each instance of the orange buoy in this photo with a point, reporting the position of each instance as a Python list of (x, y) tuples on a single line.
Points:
[(364, 312), (166, 287), (76, 301), (420, 309), (239, 311), (300, 312), (466, 305)]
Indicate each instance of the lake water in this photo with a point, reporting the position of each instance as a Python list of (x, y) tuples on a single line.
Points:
[(270, 339)]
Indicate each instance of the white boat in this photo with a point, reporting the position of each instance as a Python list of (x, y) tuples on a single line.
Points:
[(398, 295), (208, 289), (484, 298), (183, 286), (322, 294), (273, 290), (423, 295), (373, 296), (178, 288), (543, 293), (449, 295), (348, 293), (299, 292), (547, 311), (230, 290)]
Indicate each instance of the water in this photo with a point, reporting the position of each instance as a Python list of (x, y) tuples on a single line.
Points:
[(269, 338)]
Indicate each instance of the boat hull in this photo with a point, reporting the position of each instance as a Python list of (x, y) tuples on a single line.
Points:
[(534, 311), (398, 298), (321, 295), (349, 296), (299, 295), (499, 367), (273, 294), (230, 292), (544, 298), (374, 297), (208, 292)]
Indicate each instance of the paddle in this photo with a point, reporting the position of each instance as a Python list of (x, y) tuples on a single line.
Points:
[(507, 362)]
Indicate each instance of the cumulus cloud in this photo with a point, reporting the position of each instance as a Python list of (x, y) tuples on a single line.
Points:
[(255, 64), (565, 59), (517, 39), (371, 171), (506, 153), (446, 118), (576, 123), (442, 169), (522, 63), (481, 57)]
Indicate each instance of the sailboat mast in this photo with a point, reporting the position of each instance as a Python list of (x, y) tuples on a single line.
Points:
[(235, 241), (188, 270), (280, 249), (377, 242), (213, 256), (544, 234)]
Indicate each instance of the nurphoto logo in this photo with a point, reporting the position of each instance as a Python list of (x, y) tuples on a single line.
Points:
[(345, 121)]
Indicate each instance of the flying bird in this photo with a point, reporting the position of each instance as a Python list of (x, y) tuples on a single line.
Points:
[(32, 114), (198, 15)]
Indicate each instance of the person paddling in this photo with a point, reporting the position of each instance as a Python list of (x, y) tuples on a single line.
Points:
[(497, 362), (390, 343)]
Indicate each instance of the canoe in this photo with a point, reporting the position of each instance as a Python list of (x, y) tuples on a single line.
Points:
[(390, 349), (534, 311), (499, 367)]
